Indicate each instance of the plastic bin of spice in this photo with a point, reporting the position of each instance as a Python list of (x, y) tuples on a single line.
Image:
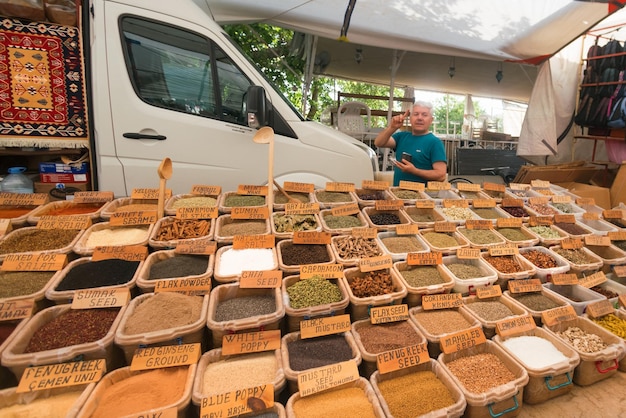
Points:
[(376, 288), (548, 234), (597, 362), (580, 260), (516, 211), (522, 237), (349, 249), (189, 333), (458, 215), (438, 323), (616, 327), (368, 197), (491, 214), (229, 200), (123, 392), (127, 204), (17, 360), (509, 267), (283, 225), (315, 352), (104, 234), (356, 398), (537, 302), (444, 242), (218, 373), (597, 226), (342, 224), (26, 285), (409, 197), (504, 400), (328, 200), (576, 295), (439, 195), (548, 375), (189, 200), (398, 246), (611, 290), (482, 274), (373, 339), (8, 331), (423, 394), (66, 207), (226, 228), (542, 272), (610, 255), (244, 310), (385, 219), (295, 315), (481, 238), (169, 231), (66, 400), (436, 279), (488, 311), (175, 266), (92, 275), (423, 217), (574, 230), (229, 262), (280, 200), (291, 256), (31, 239)]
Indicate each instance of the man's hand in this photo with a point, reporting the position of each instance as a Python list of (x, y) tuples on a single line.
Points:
[(398, 120), (404, 165)]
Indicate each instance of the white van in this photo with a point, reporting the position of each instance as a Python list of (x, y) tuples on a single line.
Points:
[(167, 81)]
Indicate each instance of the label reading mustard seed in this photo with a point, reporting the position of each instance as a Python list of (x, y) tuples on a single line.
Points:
[(323, 378)]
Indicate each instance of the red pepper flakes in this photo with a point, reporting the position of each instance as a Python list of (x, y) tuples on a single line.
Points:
[(73, 327)]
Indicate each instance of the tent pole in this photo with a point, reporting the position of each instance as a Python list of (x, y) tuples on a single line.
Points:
[(308, 74)]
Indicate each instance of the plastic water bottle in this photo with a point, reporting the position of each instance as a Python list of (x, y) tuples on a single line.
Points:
[(16, 182)]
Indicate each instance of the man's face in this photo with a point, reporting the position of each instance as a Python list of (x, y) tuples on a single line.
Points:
[(421, 119)]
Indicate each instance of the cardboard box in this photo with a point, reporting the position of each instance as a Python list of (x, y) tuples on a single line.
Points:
[(618, 188), (61, 191), (51, 167), (601, 195)]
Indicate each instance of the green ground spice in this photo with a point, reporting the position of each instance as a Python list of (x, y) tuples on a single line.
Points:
[(440, 239), (333, 197), (465, 271), (480, 236), (535, 301), (564, 207), (20, 283), (512, 234), (342, 222), (237, 200), (545, 231), (488, 213), (314, 291), (406, 194), (400, 245), (37, 240), (420, 276), (242, 227), (490, 310)]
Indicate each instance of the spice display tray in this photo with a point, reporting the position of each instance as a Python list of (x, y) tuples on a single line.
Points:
[(468, 286), (531, 238), (146, 285), (400, 256), (439, 195), (19, 326), (586, 268), (360, 307), (394, 191), (369, 211), (39, 297), (597, 366), (81, 247), (547, 242), (119, 375), (236, 326), (169, 205), (489, 327), (620, 313), (369, 364), (544, 274), (19, 221), (18, 234), (350, 198), (9, 397), (17, 361), (226, 219), (499, 212), (221, 204), (294, 316), (597, 226), (527, 269), (295, 268), (292, 375), (173, 243), (610, 255), (351, 262), (412, 211), (341, 231), (613, 286), (414, 294), (577, 211), (471, 215), (185, 334), (547, 382), (34, 216), (279, 207), (289, 235), (326, 410), (363, 203), (114, 205), (498, 239), (66, 296), (524, 218), (553, 296), (214, 356), (502, 401), (470, 195), (230, 278), (460, 239), (576, 295), (587, 232), (454, 410)]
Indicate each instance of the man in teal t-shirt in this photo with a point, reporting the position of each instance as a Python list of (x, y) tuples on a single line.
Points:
[(428, 157)]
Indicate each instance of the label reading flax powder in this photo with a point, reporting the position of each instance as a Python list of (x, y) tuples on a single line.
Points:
[(401, 358), (311, 237), (407, 229), (332, 186), (17, 309), (297, 187), (442, 301), (524, 285), (345, 210), (251, 212), (187, 286), (238, 402), (562, 313), (206, 190), (61, 375), (386, 314), (264, 279), (149, 358), (600, 308), (412, 185), (34, 262), (487, 292), (375, 184), (327, 271), (516, 325), (250, 342), (323, 378), (125, 252), (251, 190), (424, 259), (241, 242), (328, 325)]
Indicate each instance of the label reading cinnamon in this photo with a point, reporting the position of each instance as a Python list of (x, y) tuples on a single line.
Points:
[(478, 224), (93, 197), (591, 216), (494, 187), (298, 187), (582, 201), (412, 185), (555, 315), (23, 199), (204, 212), (620, 271), (566, 219), (126, 252), (564, 279), (461, 340), (251, 190), (401, 358), (468, 187), (468, 253), (310, 208), (541, 220), (332, 186), (593, 279), (617, 235), (512, 203), (206, 189), (250, 212), (525, 285), (386, 314), (484, 203), (323, 378), (375, 184), (241, 242), (438, 185), (345, 210), (612, 214), (455, 203), (599, 240), (327, 271), (100, 298), (60, 375), (540, 184), (572, 243), (441, 301), (600, 308), (264, 279), (380, 262), (407, 229), (425, 204), (364, 232), (199, 286), (311, 237), (444, 226), (64, 222), (388, 205), (201, 246), (509, 222), (16, 309), (486, 292), (326, 325), (424, 259), (500, 250), (236, 403), (250, 342), (149, 193), (34, 262), (133, 218), (149, 358), (5, 226), (515, 325), (561, 199)]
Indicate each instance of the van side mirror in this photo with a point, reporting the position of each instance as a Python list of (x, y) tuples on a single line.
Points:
[(255, 107)]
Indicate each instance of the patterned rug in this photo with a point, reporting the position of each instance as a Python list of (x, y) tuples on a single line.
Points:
[(41, 86)]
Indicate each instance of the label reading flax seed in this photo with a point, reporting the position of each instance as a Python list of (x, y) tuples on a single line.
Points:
[(61, 375), (515, 325), (461, 340), (238, 402), (524, 285), (328, 325), (401, 358), (311, 237), (562, 313), (386, 314), (407, 229), (298, 187), (201, 246), (206, 190), (16, 309), (486, 292), (375, 184), (600, 308), (332, 186), (251, 190), (251, 212), (264, 279), (441, 301)]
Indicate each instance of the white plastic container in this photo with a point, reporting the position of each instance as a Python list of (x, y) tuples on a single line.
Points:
[(369, 211), (597, 226), (576, 295), (611, 256), (16, 182), (415, 293), (420, 245), (468, 286), (595, 263), (562, 266)]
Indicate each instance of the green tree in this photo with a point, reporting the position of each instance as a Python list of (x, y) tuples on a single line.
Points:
[(449, 110)]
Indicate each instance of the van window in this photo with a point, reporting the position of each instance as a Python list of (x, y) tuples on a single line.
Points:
[(180, 70)]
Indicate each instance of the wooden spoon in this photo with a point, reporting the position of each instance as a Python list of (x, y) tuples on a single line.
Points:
[(265, 135), (165, 172), (280, 189)]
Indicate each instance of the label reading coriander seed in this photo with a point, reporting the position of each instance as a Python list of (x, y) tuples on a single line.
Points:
[(17, 309), (461, 340), (407, 229), (165, 356), (441, 301), (516, 325), (339, 187), (322, 378), (487, 292), (327, 271), (264, 279), (562, 313), (238, 402), (186, 286), (251, 190), (381, 262), (250, 342), (412, 185), (524, 285), (34, 262), (206, 190), (100, 298), (599, 309), (375, 184), (424, 259), (297, 187), (311, 237), (386, 314), (61, 375), (401, 358), (328, 325)]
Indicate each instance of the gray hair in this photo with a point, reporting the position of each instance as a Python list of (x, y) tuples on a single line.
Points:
[(427, 105)]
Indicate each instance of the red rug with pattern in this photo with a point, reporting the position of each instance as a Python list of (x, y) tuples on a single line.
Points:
[(41, 84)]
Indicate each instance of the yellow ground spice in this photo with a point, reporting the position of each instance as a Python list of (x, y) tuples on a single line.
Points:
[(480, 372), (345, 403), (43, 407)]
